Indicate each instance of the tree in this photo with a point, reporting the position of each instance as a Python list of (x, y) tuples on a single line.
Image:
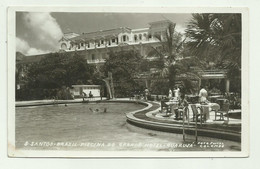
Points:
[(79, 71), (60, 69), (172, 58), (217, 38), (168, 52), (55, 73), (124, 66)]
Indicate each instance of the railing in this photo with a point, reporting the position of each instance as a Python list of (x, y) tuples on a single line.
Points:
[(97, 61), (113, 44), (213, 73)]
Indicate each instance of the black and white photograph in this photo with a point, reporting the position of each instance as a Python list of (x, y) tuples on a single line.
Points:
[(152, 82)]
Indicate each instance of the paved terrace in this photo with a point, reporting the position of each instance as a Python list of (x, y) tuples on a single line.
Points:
[(151, 118)]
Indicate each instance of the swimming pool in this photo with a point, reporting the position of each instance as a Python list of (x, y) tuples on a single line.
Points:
[(98, 126)]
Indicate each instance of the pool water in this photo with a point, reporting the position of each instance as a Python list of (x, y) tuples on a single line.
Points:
[(98, 126)]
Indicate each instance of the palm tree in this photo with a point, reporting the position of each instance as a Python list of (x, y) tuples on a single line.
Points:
[(171, 55), (216, 38), (167, 53)]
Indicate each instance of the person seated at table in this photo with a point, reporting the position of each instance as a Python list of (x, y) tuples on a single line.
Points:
[(163, 103), (203, 94)]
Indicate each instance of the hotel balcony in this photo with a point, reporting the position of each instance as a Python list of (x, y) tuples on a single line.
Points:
[(213, 74), (96, 61)]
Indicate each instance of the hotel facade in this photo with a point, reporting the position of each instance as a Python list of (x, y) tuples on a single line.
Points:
[(95, 46)]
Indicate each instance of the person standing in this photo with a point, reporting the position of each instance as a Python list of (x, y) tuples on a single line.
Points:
[(146, 93), (83, 96), (170, 94), (203, 94), (176, 92)]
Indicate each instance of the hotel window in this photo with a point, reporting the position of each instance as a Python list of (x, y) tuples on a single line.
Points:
[(78, 46), (109, 43), (140, 36), (103, 55), (82, 44), (125, 38), (63, 46), (135, 38), (149, 36), (116, 40), (113, 40), (102, 42), (145, 36), (88, 45), (93, 56)]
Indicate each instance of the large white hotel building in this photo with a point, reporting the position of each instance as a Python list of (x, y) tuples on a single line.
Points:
[(95, 46)]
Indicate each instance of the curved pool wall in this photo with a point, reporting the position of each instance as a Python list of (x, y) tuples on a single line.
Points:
[(177, 128), (152, 125)]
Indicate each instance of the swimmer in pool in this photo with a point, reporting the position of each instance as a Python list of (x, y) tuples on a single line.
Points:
[(97, 110)]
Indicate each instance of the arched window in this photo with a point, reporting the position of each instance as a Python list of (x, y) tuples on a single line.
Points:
[(124, 38), (140, 36), (149, 36), (63, 46), (135, 38), (145, 36)]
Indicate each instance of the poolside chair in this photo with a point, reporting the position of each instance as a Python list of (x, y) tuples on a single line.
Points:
[(224, 109), (199, 112), (184, 111)]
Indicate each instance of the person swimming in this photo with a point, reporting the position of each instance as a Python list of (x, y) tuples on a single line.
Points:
[(97, 110)]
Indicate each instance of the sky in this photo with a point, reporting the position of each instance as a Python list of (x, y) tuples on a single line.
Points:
[(38, 33)]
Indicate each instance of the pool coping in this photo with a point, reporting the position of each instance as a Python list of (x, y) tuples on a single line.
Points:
[(58, 102)]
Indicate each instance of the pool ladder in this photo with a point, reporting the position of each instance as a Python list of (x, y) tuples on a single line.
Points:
[(183, 124)]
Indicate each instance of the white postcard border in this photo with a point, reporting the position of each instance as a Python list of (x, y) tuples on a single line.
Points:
[(126, 9)]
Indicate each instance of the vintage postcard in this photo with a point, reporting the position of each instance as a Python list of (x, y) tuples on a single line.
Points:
[(128, 82)]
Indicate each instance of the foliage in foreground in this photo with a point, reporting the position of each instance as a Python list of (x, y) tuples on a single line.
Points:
[(124, 66)]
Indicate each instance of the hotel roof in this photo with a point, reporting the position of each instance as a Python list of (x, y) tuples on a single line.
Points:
[(101, 34), (111, 33)]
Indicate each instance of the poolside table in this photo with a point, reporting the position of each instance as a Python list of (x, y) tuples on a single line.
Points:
[(173, 105), (206, 108)]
